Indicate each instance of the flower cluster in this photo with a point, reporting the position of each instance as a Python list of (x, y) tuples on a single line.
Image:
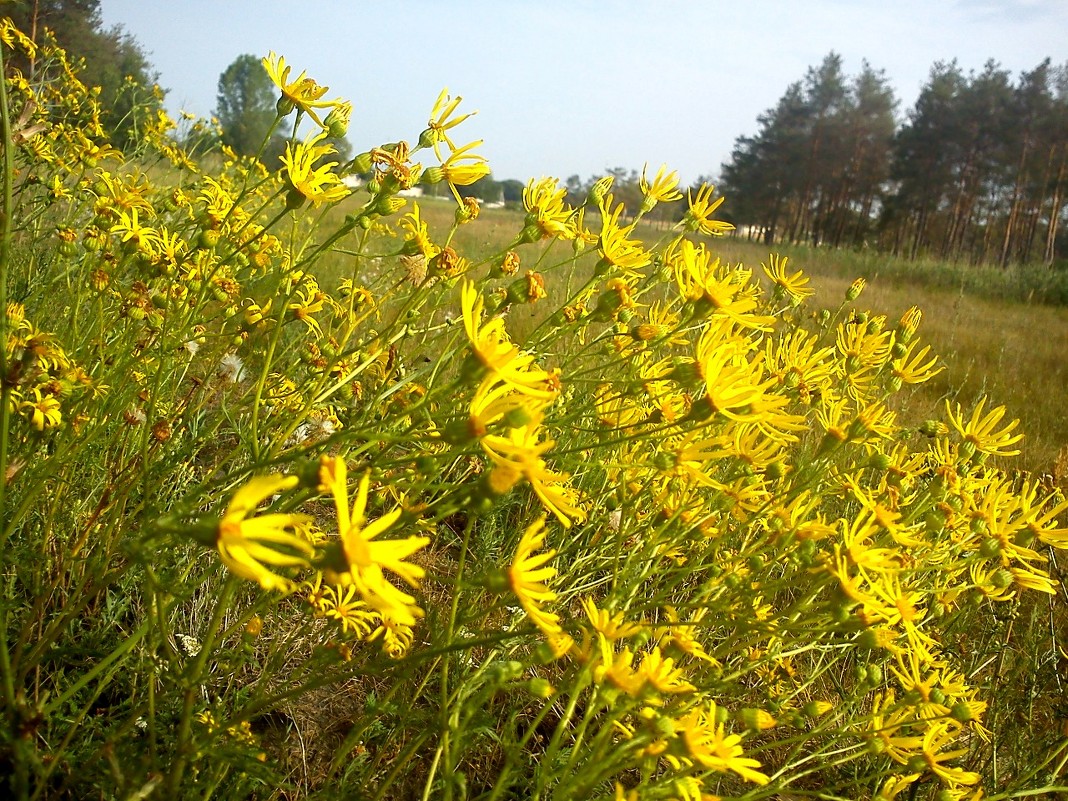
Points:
[(574, 514)]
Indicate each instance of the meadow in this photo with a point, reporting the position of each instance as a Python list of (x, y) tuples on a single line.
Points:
[(314, 492), (999, 333)]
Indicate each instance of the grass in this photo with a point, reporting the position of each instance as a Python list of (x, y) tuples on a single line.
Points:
[(1011, 349), (994, 337)]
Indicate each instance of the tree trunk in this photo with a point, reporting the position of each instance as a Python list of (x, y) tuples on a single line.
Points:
[(1014, 207), (1056, 202)]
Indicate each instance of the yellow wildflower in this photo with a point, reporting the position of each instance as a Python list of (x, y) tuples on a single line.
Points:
[(547, 212), (527, 576), (699, 215), (463, 167), (616, 249), (710, 746), (248, 544), (663, 189), (980, 431), (302, 92), (441, 120), (360, 561), (44, 410), (495, 351), (308, 181), (794, 286)]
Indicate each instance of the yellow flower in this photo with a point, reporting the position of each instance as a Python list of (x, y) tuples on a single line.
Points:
[(441, 120), (726, 291), (397, 636), (496, 400), (44, 410), (795, 286), (681, 634), (616, 249), (360, 561), (518, 455), (417, 239), (734, 387), (980, 432), (302, 92), (663, 189), (546, 210), (248, 544), (307, 301), (495, 351), (939, 734), (352, 614), (699, 215), (707, 744), (662, 674), (912, 369), (463, 167), (611, 625), (130, 230), (309, 182), (527, 576)]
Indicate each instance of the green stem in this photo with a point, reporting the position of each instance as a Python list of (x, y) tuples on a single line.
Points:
[(444, 751), (191, 680)]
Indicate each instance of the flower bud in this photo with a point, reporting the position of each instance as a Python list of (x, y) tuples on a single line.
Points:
[(254, 626), (389, 205), (337, 121), (962, 712), (600, 189), (855, 289), (910, 321), (294, 199), (933, 428), (816, 709), (540, 688), (757, 719), (208, 239), (428, 138)]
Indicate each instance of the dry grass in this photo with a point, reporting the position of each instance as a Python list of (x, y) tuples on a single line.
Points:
[(1014, 352)]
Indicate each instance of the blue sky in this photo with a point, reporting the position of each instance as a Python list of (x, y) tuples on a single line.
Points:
[(580, 86)]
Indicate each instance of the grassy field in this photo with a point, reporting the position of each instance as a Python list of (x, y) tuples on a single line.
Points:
[(992, 340)]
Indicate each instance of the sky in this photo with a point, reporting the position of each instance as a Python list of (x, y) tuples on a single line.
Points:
[(568, 87)]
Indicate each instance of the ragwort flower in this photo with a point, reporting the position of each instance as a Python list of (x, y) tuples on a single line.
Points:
[(663, 189), (302, 92), (980, 431), (547, 213), (308, 181), (361, 562), (248, 545), (699, 216), (527, 576), (441, 120), (794, 286)]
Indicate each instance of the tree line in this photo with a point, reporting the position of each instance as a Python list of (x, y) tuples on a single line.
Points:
[(106, 57), (976, 172)]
